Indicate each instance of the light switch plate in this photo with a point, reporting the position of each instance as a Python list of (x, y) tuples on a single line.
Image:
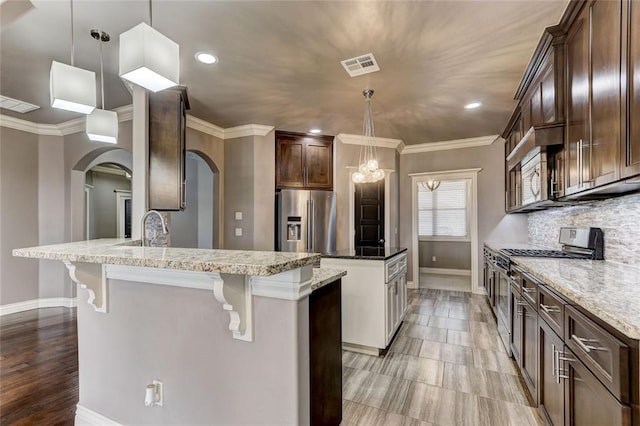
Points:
[(238, 232), (238, 215)]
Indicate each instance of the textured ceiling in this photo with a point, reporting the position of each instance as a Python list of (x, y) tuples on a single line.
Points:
[(280, 61)]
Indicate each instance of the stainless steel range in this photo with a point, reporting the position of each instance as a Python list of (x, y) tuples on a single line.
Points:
[(577, 243)]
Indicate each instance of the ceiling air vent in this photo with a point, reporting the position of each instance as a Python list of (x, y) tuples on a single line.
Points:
[(16, 105), (359, 65)]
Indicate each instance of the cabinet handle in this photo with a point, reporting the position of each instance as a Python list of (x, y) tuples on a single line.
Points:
[(549, 309), (521, 303), (562, 357), (582, 342), (580, 162)]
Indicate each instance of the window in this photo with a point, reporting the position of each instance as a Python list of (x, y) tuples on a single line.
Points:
[(443, 212)]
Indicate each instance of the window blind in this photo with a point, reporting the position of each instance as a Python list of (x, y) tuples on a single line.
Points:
[(443, 212)]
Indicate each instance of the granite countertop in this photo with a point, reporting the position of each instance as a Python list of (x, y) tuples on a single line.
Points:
[(608, 290), (116, 251), (367, 253), (324, 276)]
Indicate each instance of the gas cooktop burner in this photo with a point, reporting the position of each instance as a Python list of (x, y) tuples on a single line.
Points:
[(544, 253)]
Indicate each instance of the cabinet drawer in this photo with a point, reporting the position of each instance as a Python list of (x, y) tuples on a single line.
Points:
[(606, 356), (551, 309), (529, 286), (395, 266)]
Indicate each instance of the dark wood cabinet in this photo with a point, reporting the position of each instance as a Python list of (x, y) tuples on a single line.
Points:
[(630, 146), (524, 328), (587, 401), (593, 96), (304, 161), (325, 354), (551, 386), (167, 134)]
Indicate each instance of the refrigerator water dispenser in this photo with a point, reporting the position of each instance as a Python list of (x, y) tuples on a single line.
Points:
[(294, 228)]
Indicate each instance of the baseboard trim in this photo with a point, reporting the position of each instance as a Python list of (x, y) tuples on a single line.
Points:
[(445, 271), (27, 305), (86, 417), (411, 285)]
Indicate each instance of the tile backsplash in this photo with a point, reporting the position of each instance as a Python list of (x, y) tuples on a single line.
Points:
[(619, 218)]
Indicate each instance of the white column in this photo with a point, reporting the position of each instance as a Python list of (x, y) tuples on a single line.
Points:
[(140, 154)]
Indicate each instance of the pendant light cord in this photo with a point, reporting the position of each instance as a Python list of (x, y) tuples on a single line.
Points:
[(150, 14), (72, 44), (101, 72)]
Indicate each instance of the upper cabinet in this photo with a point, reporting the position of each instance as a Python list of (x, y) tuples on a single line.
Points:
[(304, 161), (167, 133), (593, 96), (630, 147), (579, 108)]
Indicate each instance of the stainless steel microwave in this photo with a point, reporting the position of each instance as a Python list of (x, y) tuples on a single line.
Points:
[(534, 183)]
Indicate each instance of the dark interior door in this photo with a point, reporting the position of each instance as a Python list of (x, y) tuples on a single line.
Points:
[(369, 214)]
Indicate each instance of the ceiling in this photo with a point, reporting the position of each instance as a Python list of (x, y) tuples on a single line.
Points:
[(279, 61)]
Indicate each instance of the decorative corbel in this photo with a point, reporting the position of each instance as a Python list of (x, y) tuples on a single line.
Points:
[(91, 277)]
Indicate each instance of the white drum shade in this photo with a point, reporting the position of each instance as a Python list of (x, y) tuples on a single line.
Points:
[(72, 88), (148, 58), (102, 126)]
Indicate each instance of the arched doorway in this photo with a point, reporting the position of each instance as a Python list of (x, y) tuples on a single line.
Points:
[(116, 159), (107, 202), (197, 225)]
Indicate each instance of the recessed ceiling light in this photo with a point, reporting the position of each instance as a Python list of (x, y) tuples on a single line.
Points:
[(315, 131), (472, 105), (206, 58)]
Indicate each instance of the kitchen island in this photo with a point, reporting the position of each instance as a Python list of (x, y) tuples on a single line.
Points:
[(235, 337), (374, 295)]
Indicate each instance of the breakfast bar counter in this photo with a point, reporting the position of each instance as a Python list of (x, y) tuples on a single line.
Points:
[(235, 337)]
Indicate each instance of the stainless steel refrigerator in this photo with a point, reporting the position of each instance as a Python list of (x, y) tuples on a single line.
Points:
[(306, 221)]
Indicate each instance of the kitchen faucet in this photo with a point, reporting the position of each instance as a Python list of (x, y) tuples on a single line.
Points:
[(165, 230)]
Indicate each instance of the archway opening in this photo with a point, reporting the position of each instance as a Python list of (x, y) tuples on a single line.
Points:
[(197, 225), (107, 203)]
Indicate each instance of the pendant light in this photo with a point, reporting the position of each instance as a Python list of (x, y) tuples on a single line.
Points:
[(148, 58), (102, 125), (368, 170), (72, 88)]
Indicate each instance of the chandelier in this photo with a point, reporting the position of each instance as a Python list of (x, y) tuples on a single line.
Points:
[(431, 185), (368, 170)]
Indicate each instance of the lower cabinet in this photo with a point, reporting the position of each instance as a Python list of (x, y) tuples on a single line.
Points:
[(569, 392), (587, 401), (551, 386), (374, 300)]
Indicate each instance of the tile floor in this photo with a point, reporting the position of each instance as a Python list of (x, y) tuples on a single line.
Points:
[(446, 366)]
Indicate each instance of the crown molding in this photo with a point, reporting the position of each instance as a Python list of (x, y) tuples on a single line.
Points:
[(452, 144), (247, 130), (205, 127), (378, 142), (29, 126), (125, 113)]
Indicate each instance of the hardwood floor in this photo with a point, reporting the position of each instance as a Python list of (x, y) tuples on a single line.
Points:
[(38, 367), (446, 366)]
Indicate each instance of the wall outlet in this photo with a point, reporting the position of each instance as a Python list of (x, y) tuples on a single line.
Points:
[(159, 392), (238, 232), (238, 215), (433, 258)]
